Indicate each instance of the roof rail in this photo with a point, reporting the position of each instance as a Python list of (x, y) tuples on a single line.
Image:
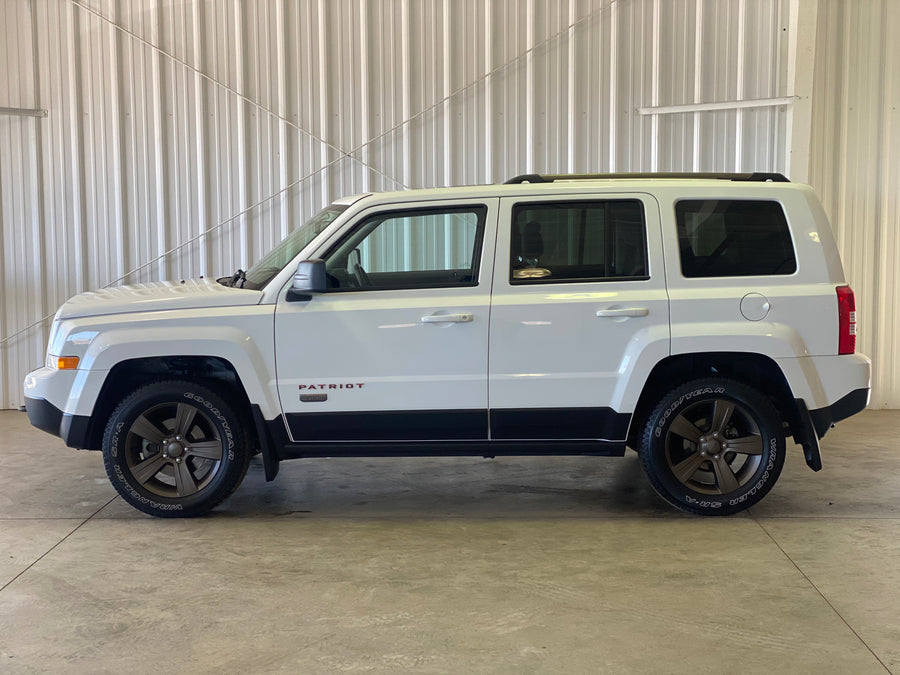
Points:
[(756, 177)]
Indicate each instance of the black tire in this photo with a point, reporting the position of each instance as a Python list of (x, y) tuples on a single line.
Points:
[(713, 447), (175, 449)]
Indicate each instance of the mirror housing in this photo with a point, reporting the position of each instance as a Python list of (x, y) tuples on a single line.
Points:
[(309, 278)]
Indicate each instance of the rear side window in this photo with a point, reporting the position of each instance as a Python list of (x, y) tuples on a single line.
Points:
[(578, 241), (733, 238)]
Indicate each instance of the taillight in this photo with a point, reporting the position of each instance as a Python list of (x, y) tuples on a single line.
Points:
[(846, 320)]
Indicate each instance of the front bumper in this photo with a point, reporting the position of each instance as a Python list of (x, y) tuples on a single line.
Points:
[(49, 400), (73, 429)]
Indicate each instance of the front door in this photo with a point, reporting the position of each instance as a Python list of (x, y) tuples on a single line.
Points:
[(580, 312), (396, 349)]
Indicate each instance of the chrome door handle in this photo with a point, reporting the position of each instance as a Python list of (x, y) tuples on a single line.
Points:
[(624, 311), (447, 318)]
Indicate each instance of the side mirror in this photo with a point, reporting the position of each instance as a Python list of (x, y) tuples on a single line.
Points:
[(308, 279)]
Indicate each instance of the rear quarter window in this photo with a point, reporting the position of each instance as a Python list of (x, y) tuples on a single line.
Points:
[(733, 238)]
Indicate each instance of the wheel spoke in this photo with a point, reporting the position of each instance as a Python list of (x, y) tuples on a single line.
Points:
[(147, 469), (688, 467), (184, 419), (748, 445), (184, 482), (686, 429), (721, 414), (206, 449), (725, 478), (146, 429)]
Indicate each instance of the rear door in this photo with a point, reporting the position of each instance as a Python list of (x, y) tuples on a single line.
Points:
[(579, 311)]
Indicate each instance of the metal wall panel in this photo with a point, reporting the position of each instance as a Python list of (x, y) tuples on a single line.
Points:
[(23, 244), (855, 167), (187, 137)]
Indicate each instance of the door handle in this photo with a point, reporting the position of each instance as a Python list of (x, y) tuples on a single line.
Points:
[(447, 318), (624, 311)]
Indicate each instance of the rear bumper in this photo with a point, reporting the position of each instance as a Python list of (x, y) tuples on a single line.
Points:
[(824, 418), (823, 381), (72, 429), (808, 426)]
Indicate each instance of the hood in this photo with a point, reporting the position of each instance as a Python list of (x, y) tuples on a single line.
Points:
[(157, 295)]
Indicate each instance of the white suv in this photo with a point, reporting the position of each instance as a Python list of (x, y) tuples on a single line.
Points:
[(699, 319)]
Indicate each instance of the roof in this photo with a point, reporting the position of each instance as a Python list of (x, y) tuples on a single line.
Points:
[(723, 185)]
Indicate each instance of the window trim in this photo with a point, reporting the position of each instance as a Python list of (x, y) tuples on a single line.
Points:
[(480, 209), (564, 203)]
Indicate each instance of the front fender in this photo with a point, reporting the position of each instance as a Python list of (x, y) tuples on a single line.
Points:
[(246, 342)]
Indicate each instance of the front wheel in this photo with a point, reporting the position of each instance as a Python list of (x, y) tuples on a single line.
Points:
[(713, 447), (174, 449)]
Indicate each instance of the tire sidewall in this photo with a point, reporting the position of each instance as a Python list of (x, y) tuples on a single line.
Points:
[(677, 401), (114, 449)]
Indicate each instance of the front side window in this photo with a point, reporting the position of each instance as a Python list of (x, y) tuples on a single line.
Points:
[(733, 238), (578, 241), (425, 248)]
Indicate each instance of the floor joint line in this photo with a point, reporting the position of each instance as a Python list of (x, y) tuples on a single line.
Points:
[(56, 545), (822, 595)]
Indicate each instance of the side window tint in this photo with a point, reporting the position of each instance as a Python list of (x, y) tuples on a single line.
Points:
[(578, 241), (733, 238), (426, 248)]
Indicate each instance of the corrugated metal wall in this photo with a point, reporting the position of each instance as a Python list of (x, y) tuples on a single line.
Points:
[(186, 138), (855, 167)]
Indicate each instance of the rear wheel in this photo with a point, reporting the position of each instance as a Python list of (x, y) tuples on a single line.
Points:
[(174, 449), (713, 447)]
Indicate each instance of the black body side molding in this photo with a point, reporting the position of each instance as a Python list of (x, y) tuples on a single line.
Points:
[(276, 445)]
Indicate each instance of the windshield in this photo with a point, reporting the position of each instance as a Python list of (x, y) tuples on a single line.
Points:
[(270, 265)]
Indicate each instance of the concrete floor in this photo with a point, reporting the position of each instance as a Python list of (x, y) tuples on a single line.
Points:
[(452, 566)]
